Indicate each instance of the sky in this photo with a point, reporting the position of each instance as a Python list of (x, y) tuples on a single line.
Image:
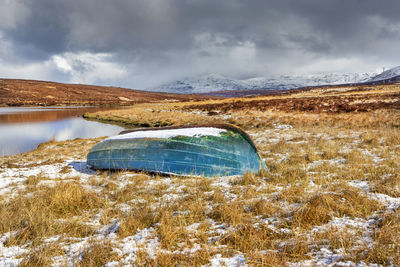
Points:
[(143, 43)]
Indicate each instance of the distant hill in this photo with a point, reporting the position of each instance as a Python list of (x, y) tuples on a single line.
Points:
[(14, 92), (391, 74), (215, 82), (210, 83)]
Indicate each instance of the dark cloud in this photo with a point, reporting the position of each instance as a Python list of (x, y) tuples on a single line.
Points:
[(169, 38), (43, 32)]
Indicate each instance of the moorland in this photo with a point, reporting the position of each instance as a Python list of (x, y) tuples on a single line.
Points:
[(17, 92), (331, 195)]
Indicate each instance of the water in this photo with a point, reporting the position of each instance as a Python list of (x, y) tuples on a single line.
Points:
[(23, 129)]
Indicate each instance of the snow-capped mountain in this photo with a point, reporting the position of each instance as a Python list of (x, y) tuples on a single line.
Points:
[(386, 75), (290, 82), (215, 82), (201, 84)]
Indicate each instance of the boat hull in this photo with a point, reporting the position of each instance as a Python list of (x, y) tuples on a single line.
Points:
[(198, 151)]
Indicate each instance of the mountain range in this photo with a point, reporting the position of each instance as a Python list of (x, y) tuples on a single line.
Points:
[(215, 82)]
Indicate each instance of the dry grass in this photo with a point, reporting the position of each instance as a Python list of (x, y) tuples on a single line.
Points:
[(263, 208), (37, 217), (325, 167), (198, 258), (269, 259), (42, 256), (338, 201), (171, 230), (385, 250), (138, 218), (336, 238), (389, 185), (248, 238), (97, 254)]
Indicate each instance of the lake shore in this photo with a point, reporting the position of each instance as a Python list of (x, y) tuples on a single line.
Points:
[(331, 195)]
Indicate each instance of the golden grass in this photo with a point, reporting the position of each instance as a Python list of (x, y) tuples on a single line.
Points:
[(232, 213), (389, 185), (97, 254), (386, 249), (264, 208), (37, 216), (248, 238), (171, 230), (336, 238), (198, 258), (292, 194), (270, 259), (42, 256), (339, 200), (138, 218), (268, 217)]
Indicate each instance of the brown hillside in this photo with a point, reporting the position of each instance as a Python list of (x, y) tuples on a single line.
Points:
[(14, 92)]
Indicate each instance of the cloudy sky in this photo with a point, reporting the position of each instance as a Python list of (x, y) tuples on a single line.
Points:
[(142, 43)]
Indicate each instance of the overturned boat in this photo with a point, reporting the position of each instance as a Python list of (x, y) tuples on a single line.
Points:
[(203, 150)]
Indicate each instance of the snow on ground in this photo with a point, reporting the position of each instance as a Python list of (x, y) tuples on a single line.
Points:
[(235, 261), (391, 203), (10, 256), (13, 180)]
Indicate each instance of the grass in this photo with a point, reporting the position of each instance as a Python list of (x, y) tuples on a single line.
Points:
[(325, 167), (138, 218), (38, 216), (341, 201), (385, 250), (248, 238), (197, 258), (41, 256), (336, 238), (97, 254)]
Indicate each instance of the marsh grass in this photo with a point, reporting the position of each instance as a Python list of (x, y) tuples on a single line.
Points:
[(292, 194), (171, 230), (336, 238), (97, 253), (339, 200), (272, 218), (42, 256), (38, 216), (386, 248), (198, 258), (269, 259), (138, 218), (247, 238)]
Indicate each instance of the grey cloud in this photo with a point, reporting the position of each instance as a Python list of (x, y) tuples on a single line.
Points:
[(187, 36), (44, 29)]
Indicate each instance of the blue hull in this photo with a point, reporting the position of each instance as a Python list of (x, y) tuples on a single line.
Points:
[(228, 152)]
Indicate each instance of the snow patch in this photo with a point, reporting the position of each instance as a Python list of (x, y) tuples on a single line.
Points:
[(236, 260), (200, 131), (282, 126), (391, 203), (362, 185)]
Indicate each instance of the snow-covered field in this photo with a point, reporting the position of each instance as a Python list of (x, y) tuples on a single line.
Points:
[(331, 198)]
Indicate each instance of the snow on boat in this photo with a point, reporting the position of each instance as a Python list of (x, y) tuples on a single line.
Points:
[(205, 150)]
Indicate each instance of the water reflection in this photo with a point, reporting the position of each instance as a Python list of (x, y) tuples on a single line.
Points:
[(29, 114), (24, 136)]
